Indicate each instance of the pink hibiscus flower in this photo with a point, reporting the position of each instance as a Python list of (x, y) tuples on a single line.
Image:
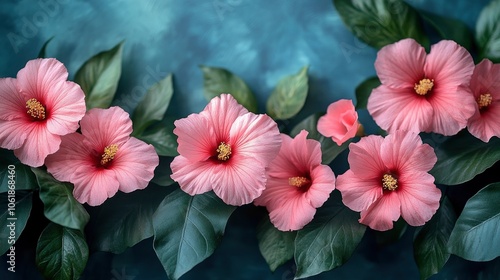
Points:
[(340, 122), (485, 86), (226, 149), (421, 92), (297, 183), (37, 108), (389, 178), (103, 158)]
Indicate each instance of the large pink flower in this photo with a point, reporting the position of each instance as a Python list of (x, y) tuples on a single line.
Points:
[(226, 149), (103, 158), (298, 183), (37, 108), (340, 122), (485, 86), (421, 92), (389, 178)]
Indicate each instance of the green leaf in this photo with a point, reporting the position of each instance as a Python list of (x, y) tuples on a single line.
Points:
[(219, 80), (462, 157), (289, 96), (381, 22), (329, 149), (329, 240), (475, 235), (161, 136), (430, 242), (99, 77), (393, 235), (60, 206), (163, 172), (188, 229), (18, 215), (450, 28), (154, 105), (364, 90), (124, 220), (16, 173), (488, 32), (61, 253), (43, 50), (276, 246)]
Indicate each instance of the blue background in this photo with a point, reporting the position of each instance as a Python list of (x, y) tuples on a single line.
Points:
[(259, 40)]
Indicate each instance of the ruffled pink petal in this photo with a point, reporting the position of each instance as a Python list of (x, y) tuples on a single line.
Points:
[(486, 79), (38, 144), (134, 165), (382, 213), (358, 193), (399, 109), (221, 112), (484, 125), (283, 166), (240, 181), (277, 192), (304, 153), (419, 197), (196, 138), (103, 127), (340, 122), (193, 177), (255, 136), (401, 64), (94, 186), (72, 154), (12, 103), (364, 157), (323, 183), (13, 133), (292, 215), (65, 103), (38, 76)]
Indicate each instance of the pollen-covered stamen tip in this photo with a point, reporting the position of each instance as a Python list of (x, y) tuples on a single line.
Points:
[(298, 182), (109, 154), (389, 182), (424, 86), (35, 109), (224, 151), (484, 100)]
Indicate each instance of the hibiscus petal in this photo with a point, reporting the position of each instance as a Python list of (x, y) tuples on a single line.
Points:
[(193, 177), (222, 112), (486, 79), (38, 145), (66, 103), (93, 186), (282, 166), (358, 193), (364, 157), (13, 133), (103, 127), (134, 165), (72, 154), (486, 124), (382, 213), (12, 103), (292, 215), (304, 153), (323, 184), (196, 138), (277, 192), (38, 76), (340, 122)]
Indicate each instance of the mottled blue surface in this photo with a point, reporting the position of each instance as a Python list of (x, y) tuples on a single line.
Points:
[(259, 40)]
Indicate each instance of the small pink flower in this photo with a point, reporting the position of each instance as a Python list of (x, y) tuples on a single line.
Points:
[(226, 149), (297, 183), (37, 108), (103, 158), (340, 122), (421, 92), (389, 178), (485, 86)]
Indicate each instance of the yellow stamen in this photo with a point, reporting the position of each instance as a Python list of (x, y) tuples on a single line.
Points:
[(389, 182), (298, 182), (424, 86), (35, 109), (484, 100), (109, 154), (224, 151)]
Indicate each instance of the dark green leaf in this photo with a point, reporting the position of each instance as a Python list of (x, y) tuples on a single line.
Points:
[(188, 229), (61, 253), (329, 240), (276, 246), (381, 22), (163, 172), (18, 215), (99, 77), (161, 136), (475, 235), (16, 173), (393, 235), (430, 242), (450, 29), (154, 105), (364, 90), (488, 32), (43, 50), (289, 96), (462, 157), (220, 80), (59, 204), (329, 149), (124, 220)]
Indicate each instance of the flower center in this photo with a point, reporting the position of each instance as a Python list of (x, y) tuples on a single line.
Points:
[(424, 86), (389, 182), (298, 182), (109, 154), (224, 151), (484, 100), (35, 109)]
